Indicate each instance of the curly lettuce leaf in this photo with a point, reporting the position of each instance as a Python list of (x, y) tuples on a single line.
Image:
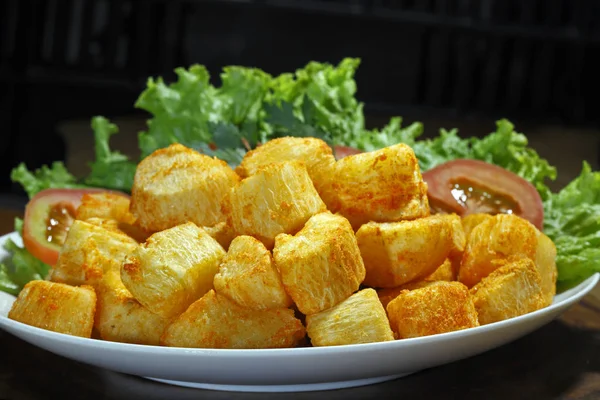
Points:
[(233, 156), (55, 176), (392, 133), (19, 226), (180, 111), (193, 112), (6, 283), (242, 92), (331, 90), (509, 149), (284, 121), (447, 146), (111, 170), (21, 267), (187, 110), (572, 221)]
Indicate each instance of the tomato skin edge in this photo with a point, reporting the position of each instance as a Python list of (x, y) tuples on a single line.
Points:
[(504, 182), (42, 252)]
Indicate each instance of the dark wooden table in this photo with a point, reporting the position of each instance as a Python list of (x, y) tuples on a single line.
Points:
[(559, 361)]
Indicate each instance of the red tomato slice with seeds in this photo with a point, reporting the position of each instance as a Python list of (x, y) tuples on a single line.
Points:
[(471, 186), (48, 217)]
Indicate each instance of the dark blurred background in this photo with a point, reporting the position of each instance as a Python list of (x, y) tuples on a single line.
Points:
[(448, 63)]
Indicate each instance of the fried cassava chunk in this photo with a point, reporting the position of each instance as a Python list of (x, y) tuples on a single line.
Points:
[(248, 277), (459, 238), (472, 220), (105, 205), (315, 153), (395, 253), (388, 294), (511, 290), (321, 265), (545, 261), (222, 233), (56, 307), (131, 230), (445, 272), (89, 250), (176, 185), (436, 308), (493, 242), (172, 269), (382, 186), (217, 322), (359, 319), (121, 318), (278, 198)]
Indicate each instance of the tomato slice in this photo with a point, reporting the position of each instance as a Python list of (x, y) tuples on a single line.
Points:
[(343, 151), (471, 186), (48, 216)]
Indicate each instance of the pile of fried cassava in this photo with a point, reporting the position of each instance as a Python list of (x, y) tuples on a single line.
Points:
[(292, 248)]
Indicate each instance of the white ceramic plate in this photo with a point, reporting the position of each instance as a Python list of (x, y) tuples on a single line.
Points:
[(299, 369)]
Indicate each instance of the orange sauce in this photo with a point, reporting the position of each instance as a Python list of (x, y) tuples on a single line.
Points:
[(60, 218), (482, 200)]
